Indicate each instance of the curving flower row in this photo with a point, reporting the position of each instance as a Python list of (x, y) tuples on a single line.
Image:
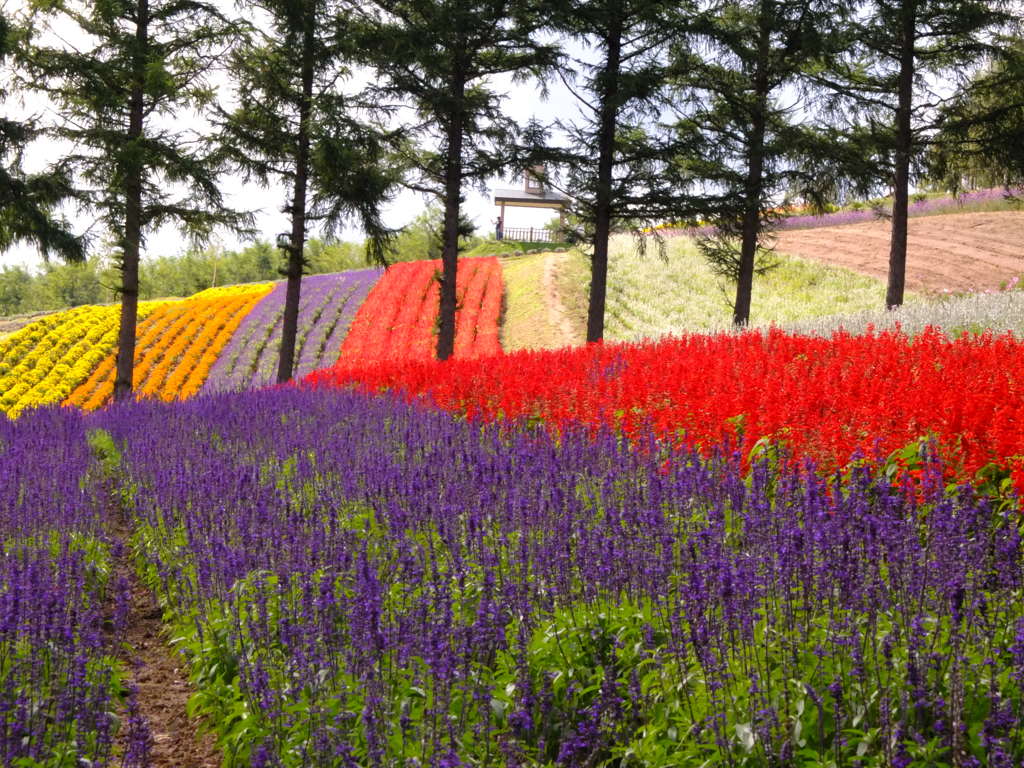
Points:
[(224, 291), (397, 321), (327, 305), (45, 361), (824, 398), (176, 347), (97, 389), (476, 322)]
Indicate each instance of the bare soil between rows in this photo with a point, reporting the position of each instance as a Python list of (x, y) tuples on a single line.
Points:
[(954, 252), (160, 678)]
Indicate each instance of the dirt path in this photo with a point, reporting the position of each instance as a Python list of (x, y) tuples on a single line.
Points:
[(955, 252), (12, 323), (558, 318), (537, 314), (160, 679)]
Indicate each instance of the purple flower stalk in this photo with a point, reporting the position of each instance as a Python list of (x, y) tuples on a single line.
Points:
[(389, 570), (56, 676)]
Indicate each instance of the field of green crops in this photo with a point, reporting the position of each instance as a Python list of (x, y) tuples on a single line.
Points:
[(651, 296)]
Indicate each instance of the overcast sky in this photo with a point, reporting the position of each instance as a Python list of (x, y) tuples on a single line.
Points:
[(522, 102)]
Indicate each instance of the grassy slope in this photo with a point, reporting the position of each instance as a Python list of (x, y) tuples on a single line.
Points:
[(573, 280), (527, 323), (649, 296), (508, 247)]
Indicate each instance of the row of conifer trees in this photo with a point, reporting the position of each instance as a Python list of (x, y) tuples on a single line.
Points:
[(695, 110)]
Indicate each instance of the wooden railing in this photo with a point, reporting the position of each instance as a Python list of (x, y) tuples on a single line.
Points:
[(528, 234)]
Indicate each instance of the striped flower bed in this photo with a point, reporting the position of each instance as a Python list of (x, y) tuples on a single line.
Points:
[(326, 308)]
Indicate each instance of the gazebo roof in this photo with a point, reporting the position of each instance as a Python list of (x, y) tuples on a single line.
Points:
[(514, 198)]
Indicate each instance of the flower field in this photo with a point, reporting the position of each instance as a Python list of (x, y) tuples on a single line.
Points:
[(396, 322), (750, 549), (223, 291), (995, 199), (60, 680), (225, 338), (46, 360), (327, 306), (177, 344), (995, 311), (824, 398), (650, 296), (361, 581)]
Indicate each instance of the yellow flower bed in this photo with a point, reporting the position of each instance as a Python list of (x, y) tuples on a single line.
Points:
[(46, 360), (224, 291)]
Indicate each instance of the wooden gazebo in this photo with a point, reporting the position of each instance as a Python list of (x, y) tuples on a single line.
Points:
[(533, 195)]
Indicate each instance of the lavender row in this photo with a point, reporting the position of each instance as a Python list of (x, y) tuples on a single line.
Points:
[(322, 345), (326, 307), (231, 370), (59, 684), (316, 291), (925, 207), (395, 586)]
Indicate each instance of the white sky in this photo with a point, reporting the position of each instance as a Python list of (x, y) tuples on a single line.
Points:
[(522, 102)]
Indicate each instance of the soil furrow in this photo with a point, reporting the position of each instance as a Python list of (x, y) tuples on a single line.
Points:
[(159, 677), (965, 251), (557, 316)]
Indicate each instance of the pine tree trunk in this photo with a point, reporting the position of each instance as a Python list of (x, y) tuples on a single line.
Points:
[(131, 243), (753, 187), (452, 199), (605, 160), (290, 320), (901, 175), (751, 225)]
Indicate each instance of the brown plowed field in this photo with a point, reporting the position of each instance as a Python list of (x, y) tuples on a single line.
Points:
[(956, 252)]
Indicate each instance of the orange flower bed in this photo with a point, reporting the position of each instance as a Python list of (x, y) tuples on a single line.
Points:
[(176, 347), (190, 372), (202, 366), (98, 388), (150, 354), (203, 312)]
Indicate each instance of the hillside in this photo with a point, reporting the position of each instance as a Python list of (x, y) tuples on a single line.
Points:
[(950, 253), (226, 338), (439, 544), (651, 296), (545, 301)]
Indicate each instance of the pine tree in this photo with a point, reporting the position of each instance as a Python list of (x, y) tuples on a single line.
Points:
[(898, 49), (618, 166), (138, 66), (980, 136), (740, 103), (296, 123), (439, 55), (28, 201)]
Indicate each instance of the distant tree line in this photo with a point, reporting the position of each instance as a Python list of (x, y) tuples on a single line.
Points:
[(719, 111), (57, 285)]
